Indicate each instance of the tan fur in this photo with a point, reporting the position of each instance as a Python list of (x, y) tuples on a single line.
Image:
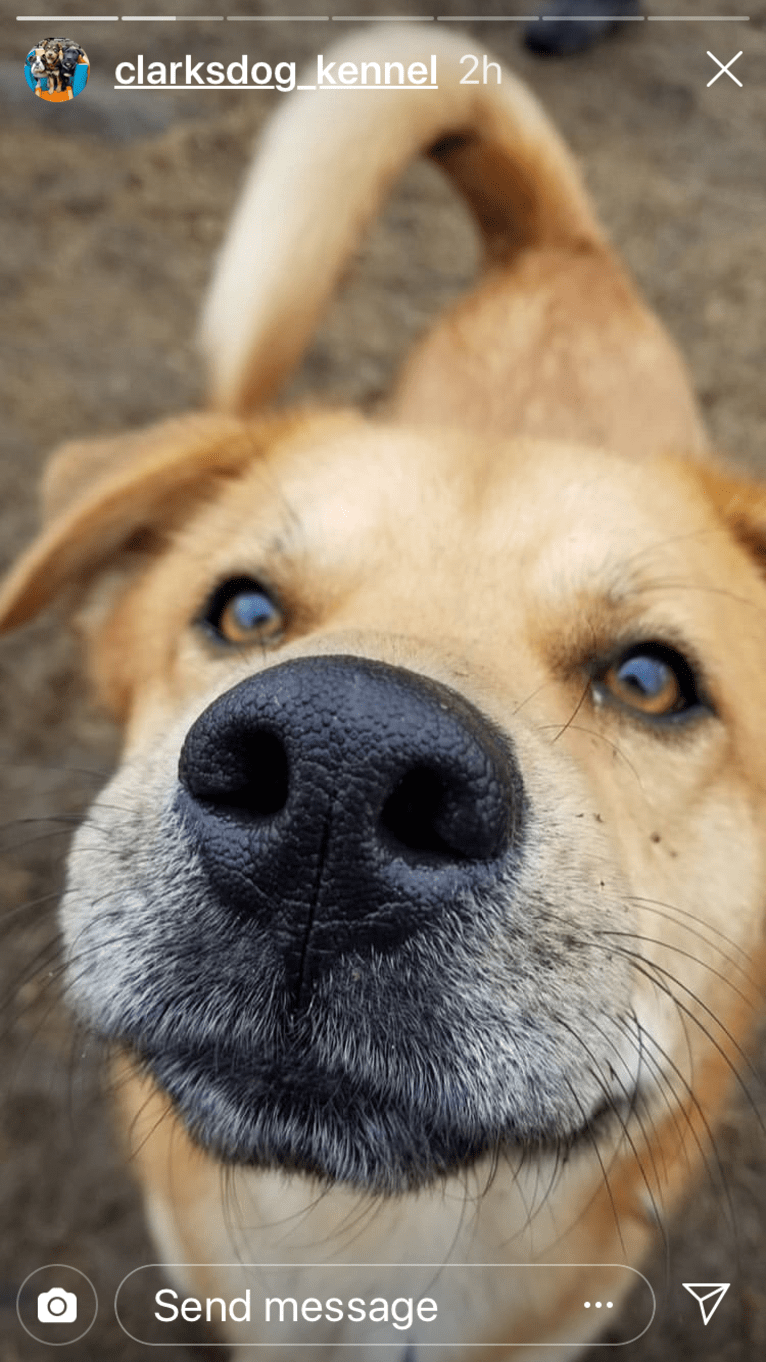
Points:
[(538, 491)]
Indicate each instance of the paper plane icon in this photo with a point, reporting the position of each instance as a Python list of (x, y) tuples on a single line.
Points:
[(708, 1296)]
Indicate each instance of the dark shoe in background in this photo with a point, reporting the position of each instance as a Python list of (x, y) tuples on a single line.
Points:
[(570, 26)]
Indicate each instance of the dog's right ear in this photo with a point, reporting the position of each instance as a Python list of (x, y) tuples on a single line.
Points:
[(102, 497)]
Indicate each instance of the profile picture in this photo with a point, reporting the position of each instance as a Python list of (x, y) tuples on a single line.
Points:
[(56, 69)]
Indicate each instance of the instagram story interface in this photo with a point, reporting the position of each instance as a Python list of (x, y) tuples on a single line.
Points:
[(383, 609)]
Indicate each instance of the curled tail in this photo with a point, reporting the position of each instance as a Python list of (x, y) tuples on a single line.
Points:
[(327, 161)]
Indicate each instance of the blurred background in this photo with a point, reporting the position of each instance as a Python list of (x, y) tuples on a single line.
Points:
[(113, 206)]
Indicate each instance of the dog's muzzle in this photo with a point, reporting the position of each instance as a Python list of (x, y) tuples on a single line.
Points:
[(352, 942), (341, 803)]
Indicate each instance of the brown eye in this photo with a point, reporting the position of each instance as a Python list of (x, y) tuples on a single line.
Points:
[(241, 611), (653, 680)]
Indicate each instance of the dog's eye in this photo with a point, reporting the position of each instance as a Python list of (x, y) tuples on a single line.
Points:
[(653, 679), (242, 611)]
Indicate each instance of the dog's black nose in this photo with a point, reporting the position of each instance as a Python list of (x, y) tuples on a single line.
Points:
[(344, 804)]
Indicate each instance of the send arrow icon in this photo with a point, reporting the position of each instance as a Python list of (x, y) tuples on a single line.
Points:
[(708, 1296)]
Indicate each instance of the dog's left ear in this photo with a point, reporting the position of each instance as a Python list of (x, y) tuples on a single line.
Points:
[(102, 497)]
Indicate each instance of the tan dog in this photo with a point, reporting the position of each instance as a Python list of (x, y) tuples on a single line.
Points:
[(427, 898)]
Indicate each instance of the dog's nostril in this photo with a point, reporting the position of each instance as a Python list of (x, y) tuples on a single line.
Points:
[(412, 811), (457, 810), (268, 784), (265, 778), (250, 774)]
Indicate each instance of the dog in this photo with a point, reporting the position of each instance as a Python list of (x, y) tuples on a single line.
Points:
[(424, 913), (45, 65), (53, 64)]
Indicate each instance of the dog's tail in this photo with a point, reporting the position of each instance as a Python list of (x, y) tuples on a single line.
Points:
[(328, 159)]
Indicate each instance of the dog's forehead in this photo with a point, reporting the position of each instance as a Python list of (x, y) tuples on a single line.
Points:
[(567, 517)]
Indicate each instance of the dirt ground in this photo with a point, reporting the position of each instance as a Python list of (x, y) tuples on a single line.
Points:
[(113, 206)]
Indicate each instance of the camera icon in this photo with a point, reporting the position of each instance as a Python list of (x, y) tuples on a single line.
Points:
[(57, 1306)]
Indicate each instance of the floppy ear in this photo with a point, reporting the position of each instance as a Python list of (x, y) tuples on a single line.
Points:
[(101, 497)]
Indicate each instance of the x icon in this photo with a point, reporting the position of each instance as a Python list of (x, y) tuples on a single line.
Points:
[(724, 70)]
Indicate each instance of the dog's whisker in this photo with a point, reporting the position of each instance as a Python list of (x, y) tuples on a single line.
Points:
[(354, 1226), (13, 847), (522, 704), (650, 969), (636, 1036), (517, 1160), (36, 967), (673, 912), (703, 589), (9, 918), (630, 1097), (715, 1173), (671, 1096), (560, 731), (594, 733), (137, 1143), (670, 541), (643, 1114), (589, 1135), (8, 765), (542, 1191), (642, 939), (562, 1160), (688, 1016), (47, 978), (628, 1087), (66, 817)]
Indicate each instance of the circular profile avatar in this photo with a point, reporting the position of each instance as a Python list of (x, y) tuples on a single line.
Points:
[(56, 69)]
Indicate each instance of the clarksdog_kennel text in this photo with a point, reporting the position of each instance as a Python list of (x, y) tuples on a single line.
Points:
[(242, 73)]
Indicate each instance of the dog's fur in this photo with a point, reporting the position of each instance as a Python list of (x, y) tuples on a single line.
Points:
[(530, 1070)]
